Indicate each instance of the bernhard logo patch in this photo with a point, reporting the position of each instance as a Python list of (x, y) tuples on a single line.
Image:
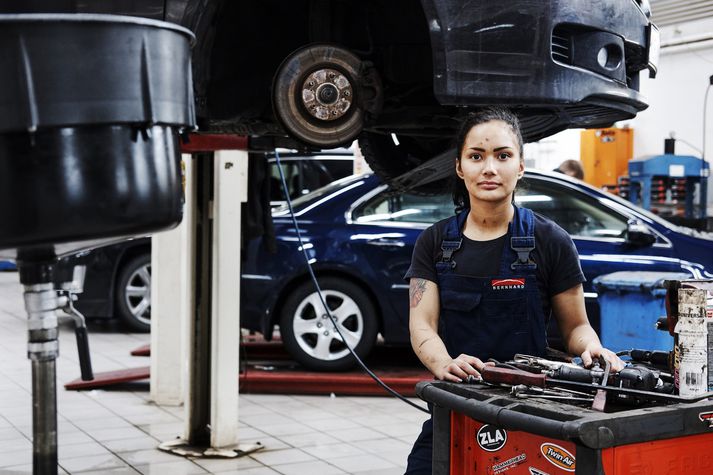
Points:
[(506, 284), (490, 438), (706, 417), (558, 456)]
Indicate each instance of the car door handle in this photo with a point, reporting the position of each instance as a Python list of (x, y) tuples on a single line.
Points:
[(386, 242)]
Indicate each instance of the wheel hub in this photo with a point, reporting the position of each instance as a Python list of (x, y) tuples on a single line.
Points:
[(327, 94), (317, 335)]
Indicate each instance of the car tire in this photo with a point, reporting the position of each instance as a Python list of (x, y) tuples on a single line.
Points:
[(308, 334), (133, 293), (321, 95)]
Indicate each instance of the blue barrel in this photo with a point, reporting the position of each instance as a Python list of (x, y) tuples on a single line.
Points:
[(630, 303)]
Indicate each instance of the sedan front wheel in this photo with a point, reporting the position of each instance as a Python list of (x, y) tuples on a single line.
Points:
[(312, 338), (133, 293)]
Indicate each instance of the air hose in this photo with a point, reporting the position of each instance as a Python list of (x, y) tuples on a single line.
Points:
[(324, 303)]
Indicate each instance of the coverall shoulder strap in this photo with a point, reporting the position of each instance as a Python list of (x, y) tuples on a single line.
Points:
[(452, 238), (522, 240)]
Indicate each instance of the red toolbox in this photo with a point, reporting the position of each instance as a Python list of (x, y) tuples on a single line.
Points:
[(485, 430)]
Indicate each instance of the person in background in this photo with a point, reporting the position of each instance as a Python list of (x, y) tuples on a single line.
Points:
[(483, 283), (571, 168)]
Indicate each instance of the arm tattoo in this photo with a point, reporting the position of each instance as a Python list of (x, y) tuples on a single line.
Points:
[(416, 289)]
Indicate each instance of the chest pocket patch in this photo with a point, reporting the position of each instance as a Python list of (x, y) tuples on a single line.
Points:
[(460, 301), (509, 311)]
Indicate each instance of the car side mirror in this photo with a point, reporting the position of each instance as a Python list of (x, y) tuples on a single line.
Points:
[(638, 235)]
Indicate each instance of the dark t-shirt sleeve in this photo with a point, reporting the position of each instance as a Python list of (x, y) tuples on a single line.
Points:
[(564, 270), (424, 256)]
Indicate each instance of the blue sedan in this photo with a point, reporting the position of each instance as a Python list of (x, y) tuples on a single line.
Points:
[(359, 236)]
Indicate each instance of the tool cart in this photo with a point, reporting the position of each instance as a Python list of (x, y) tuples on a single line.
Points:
[(483, 429)]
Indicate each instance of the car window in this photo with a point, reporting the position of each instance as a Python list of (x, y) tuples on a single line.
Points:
[(577, 213), (305, 174), (337, 168), (314, 175), (291, 170), (405, 208)]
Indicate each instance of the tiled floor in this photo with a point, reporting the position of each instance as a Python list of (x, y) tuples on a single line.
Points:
[(116, 432)]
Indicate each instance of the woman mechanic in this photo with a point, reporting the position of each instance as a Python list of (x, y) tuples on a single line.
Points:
[(484, 282)]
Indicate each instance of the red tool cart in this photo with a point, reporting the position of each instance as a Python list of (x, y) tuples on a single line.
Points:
[(485, 429)]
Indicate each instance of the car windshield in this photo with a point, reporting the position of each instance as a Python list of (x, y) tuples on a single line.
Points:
[(305, 173), (405, 207), (317, 194)]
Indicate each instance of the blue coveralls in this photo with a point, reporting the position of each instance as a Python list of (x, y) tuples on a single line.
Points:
[(493, 317)]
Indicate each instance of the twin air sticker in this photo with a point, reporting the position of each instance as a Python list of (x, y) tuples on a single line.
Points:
[(490, 438), (507, 284), (558, 456)]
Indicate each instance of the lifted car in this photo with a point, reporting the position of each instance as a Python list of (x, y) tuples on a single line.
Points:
[(399, 74)]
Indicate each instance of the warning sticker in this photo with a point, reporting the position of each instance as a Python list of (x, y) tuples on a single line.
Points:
[(558, 456)]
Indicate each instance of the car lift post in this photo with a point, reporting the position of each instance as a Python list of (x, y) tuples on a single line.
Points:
[(172, 276), (219, 170)]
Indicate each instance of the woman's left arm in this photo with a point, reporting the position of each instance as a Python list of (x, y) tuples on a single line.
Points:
[(577, 334)]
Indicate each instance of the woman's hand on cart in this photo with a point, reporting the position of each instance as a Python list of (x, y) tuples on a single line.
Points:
[(460, 369)]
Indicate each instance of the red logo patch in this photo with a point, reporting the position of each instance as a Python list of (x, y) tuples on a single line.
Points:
[(706, 417), (502, 284)]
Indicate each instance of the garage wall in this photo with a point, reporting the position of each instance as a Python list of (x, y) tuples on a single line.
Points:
[(676, 95), (675, 99), (549, 152)]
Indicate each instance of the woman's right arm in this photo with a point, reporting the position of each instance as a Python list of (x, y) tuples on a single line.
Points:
[(423, 328)]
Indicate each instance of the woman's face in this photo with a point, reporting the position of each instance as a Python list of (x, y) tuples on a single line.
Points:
[(490, 162)]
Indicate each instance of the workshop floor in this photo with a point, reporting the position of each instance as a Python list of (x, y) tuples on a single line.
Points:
[(117, 431)]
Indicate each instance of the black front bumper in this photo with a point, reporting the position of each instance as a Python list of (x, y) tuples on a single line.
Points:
[(572, 62)]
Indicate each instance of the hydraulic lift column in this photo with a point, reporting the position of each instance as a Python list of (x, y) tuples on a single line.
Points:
[(88, 153), (43, 350), (218, 168), (172, 305)]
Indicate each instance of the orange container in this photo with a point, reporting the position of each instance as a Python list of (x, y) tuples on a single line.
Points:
[(605, 155)]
